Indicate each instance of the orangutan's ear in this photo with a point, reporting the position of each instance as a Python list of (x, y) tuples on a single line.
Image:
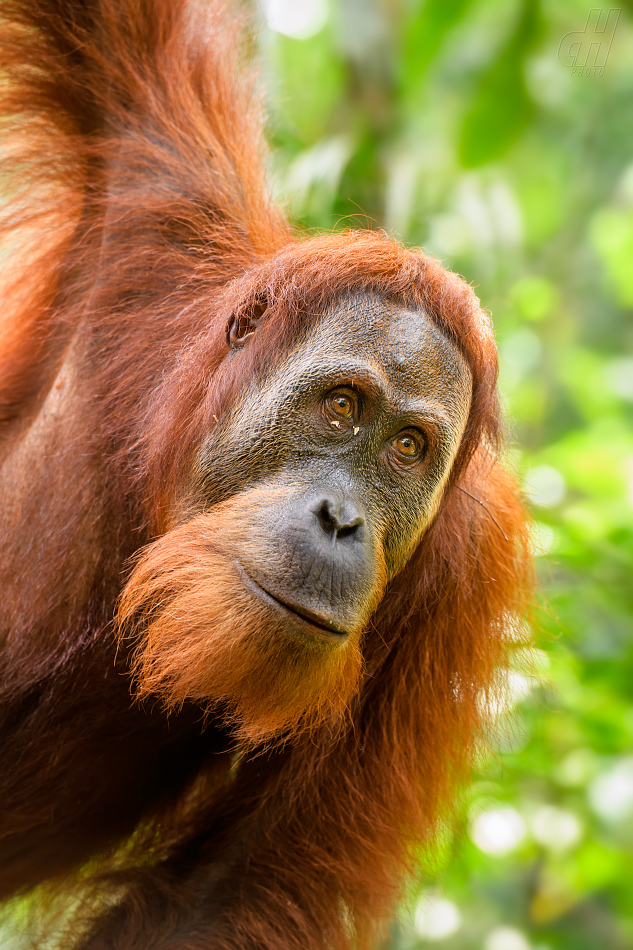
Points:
[(243, 323)]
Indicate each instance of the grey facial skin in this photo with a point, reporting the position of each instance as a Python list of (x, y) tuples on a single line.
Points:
[(361, 423)]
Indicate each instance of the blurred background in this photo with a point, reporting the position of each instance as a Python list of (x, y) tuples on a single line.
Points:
[(498, 135)]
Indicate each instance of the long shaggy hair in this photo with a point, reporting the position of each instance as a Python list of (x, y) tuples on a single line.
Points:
[(202, 635), (139, 227)]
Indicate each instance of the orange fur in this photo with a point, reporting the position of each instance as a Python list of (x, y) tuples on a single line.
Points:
[(201, 635), (140, 224)]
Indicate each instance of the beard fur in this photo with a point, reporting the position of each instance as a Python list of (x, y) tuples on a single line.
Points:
[(200, 635)]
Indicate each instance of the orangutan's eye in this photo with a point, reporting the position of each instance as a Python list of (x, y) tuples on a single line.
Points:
[(409, 446), (341, 405)]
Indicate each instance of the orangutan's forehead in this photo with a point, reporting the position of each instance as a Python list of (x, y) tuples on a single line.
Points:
[(404, 346)]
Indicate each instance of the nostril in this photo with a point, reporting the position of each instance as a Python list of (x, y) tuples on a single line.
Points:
[(339, 518), (347, 530), (325, 519)]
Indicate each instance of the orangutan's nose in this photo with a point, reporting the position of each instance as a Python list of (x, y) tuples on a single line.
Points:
[(339, 517)]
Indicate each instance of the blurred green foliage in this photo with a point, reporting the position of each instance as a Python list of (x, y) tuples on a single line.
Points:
[(457, 126)]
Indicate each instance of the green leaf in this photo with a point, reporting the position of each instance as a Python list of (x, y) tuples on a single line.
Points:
[(501, 107)]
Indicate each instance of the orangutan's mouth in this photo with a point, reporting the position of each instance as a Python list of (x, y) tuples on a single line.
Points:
[(305, 617)]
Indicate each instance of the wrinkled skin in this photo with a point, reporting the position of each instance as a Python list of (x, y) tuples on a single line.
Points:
[(361, 422)]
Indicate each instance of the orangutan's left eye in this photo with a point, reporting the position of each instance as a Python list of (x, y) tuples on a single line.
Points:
[(410, 446)]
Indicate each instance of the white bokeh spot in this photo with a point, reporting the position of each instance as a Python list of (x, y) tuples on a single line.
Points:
[(436, 918), (498, 831), (611, 794), (556, 828), (299, 19), (506, 938)]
